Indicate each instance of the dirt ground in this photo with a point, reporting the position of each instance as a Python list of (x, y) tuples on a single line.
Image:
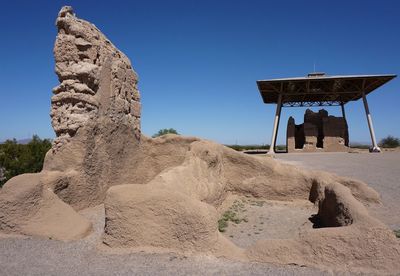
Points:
[(34, 256), (380, 171), (256, 219)]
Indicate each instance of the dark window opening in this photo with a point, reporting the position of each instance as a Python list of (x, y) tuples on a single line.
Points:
[(320, 140), (299, 137)]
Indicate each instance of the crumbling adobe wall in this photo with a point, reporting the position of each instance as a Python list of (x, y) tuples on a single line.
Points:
[(336, 135), (291, 135), (318, 133), (95, 112), (294, 135), (96, 80), (313, 129)]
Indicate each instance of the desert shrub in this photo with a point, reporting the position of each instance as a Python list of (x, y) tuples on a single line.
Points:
[(228, 216), (359, 146), (17, 158), (254, 147), (164, 131), (232, 214), (390, 142), (281, 147), (222, 224), (247, 147)]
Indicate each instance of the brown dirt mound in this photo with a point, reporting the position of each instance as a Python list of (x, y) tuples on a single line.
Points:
[(139, 215), (83, 171), (365, 245), (175, 206), (26, 207)]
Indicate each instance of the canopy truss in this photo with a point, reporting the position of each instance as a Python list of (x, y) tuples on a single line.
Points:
[(320, 90)]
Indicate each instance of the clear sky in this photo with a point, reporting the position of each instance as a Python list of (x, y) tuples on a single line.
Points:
[(198, 61)]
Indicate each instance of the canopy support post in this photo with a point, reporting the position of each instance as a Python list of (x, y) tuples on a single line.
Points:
[(343, 113), (375, 147), (276, 125)]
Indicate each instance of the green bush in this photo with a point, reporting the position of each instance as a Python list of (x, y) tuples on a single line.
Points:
[(359, 146), (254, 147), (17, 158), (247, 147), (390, 142), (164, 131), (232, 214)]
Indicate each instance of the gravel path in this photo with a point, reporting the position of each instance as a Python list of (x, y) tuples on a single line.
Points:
[(33, 256), (41, 257)]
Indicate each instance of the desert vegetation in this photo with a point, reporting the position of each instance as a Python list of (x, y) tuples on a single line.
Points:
[(18, 158), (233, 214), (254, 147), (165, 131), (390, 142)]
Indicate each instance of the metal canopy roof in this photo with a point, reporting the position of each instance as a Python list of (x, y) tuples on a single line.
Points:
[(319, 90)]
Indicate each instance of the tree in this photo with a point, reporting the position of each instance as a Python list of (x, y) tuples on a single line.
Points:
[(164, 131), (17, 159), (390, 142)]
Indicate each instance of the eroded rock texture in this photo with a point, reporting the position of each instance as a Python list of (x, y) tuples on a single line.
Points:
[(95, 113), (96, 79)]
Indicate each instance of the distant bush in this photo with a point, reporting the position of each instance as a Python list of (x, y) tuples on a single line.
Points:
[(359, 146), (390, 142), (255, 147), (280, 147), (17, 158), (164, 131), (247, 147)]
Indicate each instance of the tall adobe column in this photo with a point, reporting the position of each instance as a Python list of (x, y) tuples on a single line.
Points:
[(95, 113), (96, 81)]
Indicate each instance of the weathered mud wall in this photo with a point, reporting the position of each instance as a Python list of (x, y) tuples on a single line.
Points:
[(318, 133)]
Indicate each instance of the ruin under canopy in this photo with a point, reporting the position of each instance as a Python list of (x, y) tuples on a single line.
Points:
[(318, 89), (319, 132)]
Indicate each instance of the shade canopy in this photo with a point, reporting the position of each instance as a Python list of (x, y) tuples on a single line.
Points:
[(320, 90)]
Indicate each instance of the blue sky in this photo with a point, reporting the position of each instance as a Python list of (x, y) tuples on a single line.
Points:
[(198, 61)]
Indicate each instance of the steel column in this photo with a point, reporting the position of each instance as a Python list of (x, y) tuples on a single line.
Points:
[(276, 125), (375, 147), (343, 113)]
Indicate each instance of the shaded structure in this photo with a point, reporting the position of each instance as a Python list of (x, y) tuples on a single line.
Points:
[(319, 132), (318, 89)]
